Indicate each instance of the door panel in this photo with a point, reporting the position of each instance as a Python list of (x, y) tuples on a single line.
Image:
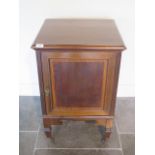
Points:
[(77, 85)]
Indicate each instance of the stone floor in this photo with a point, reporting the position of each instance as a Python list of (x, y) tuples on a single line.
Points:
[(75, 137)]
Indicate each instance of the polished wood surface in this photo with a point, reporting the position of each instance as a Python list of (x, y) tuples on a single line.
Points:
[(78, 67), (108, 78), (74, 83), (79, 33)]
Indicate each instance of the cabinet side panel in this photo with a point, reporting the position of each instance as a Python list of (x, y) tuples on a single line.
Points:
[(40, 78), (116, 78), (112, 80)]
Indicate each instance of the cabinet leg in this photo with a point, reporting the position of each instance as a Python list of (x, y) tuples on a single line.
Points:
[(48, 130), (107, 134), (102, 130), (48, 122), (105, 127)]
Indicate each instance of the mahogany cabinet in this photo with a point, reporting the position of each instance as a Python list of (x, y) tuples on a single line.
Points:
[(78, 67)]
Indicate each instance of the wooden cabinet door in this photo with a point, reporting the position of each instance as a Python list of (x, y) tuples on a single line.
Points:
[(78, 83)]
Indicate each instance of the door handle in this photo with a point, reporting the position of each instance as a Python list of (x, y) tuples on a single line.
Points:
[(47, 92)]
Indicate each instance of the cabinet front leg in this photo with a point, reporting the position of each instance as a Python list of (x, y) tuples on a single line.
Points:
[(109, 125), (47, 129), (48, 122)]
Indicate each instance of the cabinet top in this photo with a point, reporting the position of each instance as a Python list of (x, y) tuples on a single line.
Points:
[(79, 34)]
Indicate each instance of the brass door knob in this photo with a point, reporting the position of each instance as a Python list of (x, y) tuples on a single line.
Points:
[(47, 92)]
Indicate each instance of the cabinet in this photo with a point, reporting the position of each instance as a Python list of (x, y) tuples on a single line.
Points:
[(78, 64)]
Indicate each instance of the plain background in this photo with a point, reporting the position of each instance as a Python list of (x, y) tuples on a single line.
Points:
[(34, 12), (145, 76)]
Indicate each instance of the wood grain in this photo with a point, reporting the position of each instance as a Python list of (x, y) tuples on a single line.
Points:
[(78, 63), (79, 34)]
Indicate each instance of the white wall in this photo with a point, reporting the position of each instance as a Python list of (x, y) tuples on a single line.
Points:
[(33, 13)]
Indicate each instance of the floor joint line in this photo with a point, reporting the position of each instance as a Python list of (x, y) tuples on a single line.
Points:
[(119, 138), (28, 131), (35, 144), (78, 149)]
